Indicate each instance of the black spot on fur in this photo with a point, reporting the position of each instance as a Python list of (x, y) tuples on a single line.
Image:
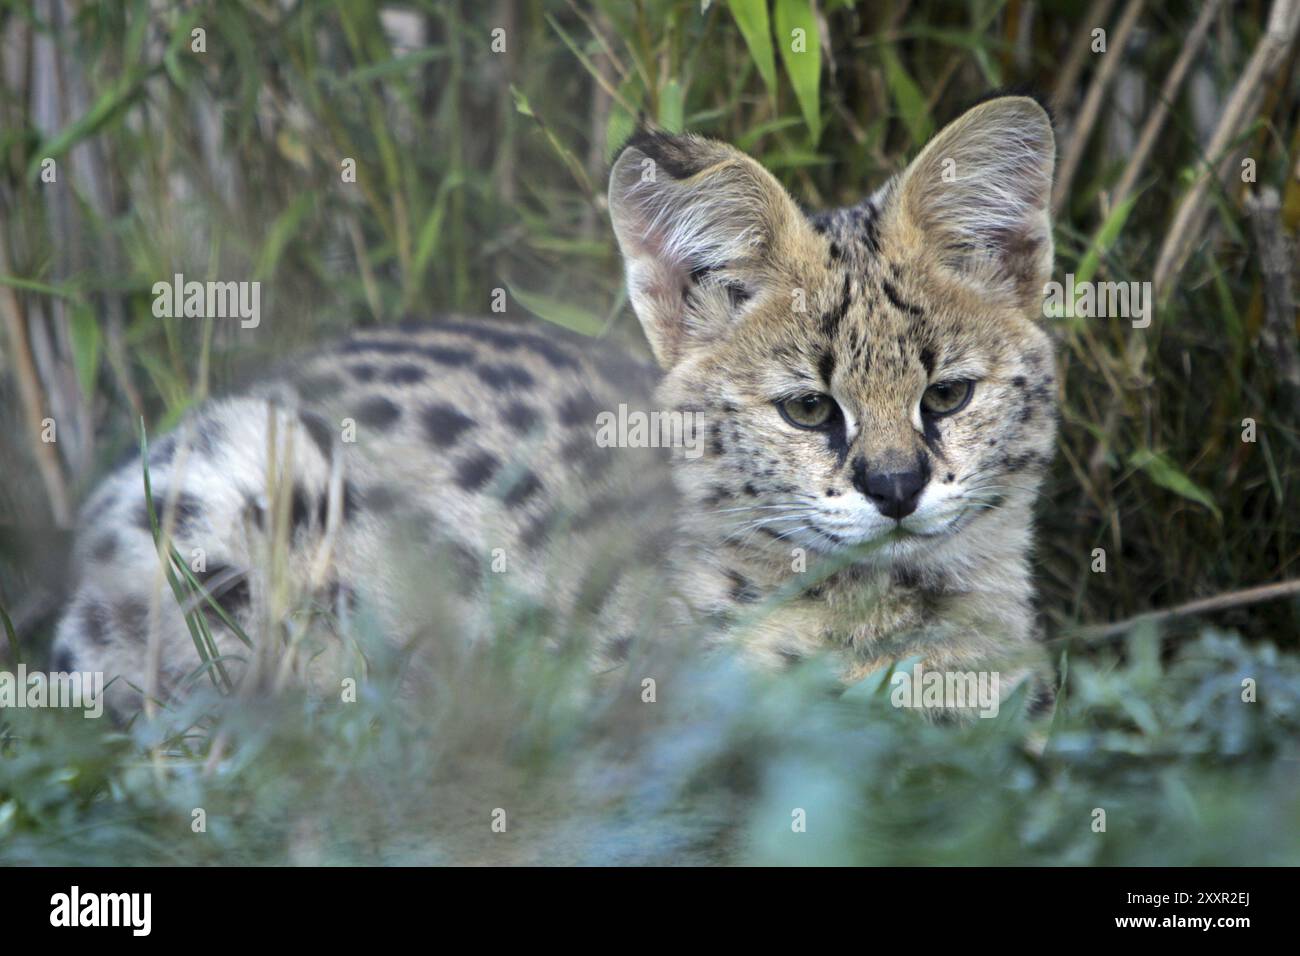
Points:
[(104, 548), (132, 616), (504, 375), (448, 356), (95, 623), (520, 417), (188, 512), (318, 429), (717, 447), (300, 511), (351, 504), (362, 373), (579, 409), (65, 662), (162, 451), (619, 648), (718, 494), (523, 489), (443, 425), (211, 433), (378, 412), (405, 374), (476, 471)]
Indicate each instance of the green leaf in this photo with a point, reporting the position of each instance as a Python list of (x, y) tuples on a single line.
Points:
[(85, 347), (521, 102), (282, 230), (907, 97), (115, 98), (431, 232), (751, 17), (1168, 475), (1103, 240), (796, 32), (618, 130), (558, 311), (672, 106)]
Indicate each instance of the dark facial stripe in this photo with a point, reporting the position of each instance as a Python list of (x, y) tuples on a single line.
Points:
[(897, 302), (831, 320), (826, 367)]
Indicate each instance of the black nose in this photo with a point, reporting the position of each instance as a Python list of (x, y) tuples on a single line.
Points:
[(895, 493)]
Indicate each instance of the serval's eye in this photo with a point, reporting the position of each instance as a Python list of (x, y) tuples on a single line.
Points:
[(944, 398), (808, 411)]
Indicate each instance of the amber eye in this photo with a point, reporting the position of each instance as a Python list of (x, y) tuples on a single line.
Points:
[(807, 411), (944, 398)]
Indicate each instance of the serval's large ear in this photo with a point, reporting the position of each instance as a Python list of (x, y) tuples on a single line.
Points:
[(978, 198), (699, 224)]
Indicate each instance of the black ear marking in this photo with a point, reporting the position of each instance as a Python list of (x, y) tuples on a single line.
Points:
[(673, 154)]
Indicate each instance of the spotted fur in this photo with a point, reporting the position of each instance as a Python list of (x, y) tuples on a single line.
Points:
[(400, 457)]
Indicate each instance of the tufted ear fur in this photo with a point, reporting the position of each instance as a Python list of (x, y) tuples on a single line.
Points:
[(978, 197), (698, 222)]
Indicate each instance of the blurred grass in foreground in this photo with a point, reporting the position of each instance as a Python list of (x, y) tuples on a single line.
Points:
[(710, 773), (479, 170)]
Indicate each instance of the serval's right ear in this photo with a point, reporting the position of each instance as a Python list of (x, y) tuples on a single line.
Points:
[(696, 220)]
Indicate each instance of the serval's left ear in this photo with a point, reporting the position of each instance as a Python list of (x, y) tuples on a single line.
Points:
[(978, 196)]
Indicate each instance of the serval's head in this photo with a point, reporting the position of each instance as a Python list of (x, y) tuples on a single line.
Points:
[(877, 373)]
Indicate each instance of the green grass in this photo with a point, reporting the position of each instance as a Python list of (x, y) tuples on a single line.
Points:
[(479, 170), (712, 771)]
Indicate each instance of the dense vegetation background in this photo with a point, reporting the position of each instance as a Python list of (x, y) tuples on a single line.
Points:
[(481, 134)]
